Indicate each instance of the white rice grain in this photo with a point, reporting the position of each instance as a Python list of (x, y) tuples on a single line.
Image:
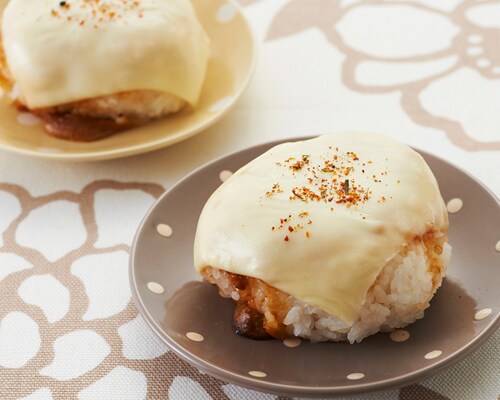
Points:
[(399, 297)]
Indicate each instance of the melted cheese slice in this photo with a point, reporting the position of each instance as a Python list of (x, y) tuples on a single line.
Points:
[(60, 52), (331, 257)]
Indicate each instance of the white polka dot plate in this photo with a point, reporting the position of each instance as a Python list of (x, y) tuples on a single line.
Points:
[(196, 323), (230, 68)]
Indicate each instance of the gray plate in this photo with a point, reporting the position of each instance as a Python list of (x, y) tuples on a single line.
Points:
[(189, 305)]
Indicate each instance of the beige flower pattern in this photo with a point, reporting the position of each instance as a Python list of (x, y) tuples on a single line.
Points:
[(68, 327), (49, 343), (392, 55)]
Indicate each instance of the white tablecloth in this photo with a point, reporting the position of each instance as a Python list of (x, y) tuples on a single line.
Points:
[(424, 72)]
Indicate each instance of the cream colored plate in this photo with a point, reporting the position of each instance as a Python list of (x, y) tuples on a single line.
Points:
[(230, 67)]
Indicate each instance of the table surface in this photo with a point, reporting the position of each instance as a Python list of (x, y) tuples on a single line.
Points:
[(424, 72)]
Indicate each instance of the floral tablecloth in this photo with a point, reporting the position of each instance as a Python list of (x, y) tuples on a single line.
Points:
[(426, 72)]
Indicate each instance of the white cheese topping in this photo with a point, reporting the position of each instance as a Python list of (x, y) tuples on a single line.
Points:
[(65, 51), (319, 219)]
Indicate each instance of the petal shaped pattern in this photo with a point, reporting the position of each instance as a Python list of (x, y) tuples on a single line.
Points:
[(105, 277), (396, 31), (485, 15), (458, 97), (118, 214), (380, 73), (10, 263), (75, 354), (19, 340), (48, 293), (139, 341), (53, 229)]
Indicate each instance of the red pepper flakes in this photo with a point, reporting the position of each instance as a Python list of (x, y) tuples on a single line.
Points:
[(308, 234), (329, 182), (353, 155), (275, 189), (100, 11), (286, 238)]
